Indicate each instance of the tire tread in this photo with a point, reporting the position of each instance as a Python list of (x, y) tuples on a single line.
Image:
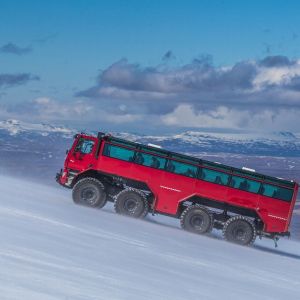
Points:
[(191, 207), (95, 180), (140, 193), (243, 218)]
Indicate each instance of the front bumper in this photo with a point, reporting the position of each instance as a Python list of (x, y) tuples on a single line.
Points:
[(58, 176), (66, 177), (62, 177)]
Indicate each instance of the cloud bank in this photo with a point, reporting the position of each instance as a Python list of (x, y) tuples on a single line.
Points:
[(261, 93), (9, 80), (11, 48)]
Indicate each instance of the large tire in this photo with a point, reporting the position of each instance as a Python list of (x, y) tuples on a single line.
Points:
[(197, 219), (89, 191), (131, 202), (239, 230)]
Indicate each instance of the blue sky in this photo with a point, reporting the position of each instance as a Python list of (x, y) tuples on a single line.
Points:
[(121, 64)]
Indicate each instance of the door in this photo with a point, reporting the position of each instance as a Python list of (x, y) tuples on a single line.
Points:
[(177, 184), (82, 156)]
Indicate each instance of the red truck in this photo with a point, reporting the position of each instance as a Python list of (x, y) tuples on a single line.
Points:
[(202, 194)]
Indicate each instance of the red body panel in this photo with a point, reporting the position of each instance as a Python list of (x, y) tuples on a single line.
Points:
[(79, 161), (170, 189)]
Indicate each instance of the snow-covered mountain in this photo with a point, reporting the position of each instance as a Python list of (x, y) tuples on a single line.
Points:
[(32, 149), (275, 143), (15, 127), (53, 249)]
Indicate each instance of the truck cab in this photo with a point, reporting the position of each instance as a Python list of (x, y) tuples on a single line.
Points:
[(81, 157)]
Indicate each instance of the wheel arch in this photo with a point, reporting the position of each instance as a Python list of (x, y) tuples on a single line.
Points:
[(88, 173)]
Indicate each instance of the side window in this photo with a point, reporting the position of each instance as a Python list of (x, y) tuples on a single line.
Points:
[(84, 146), (155, 151), (217, 166), (248, 174), (245, 184), (277, 192), (150, 160), (272, 180), (213, 176), (123, 143), (118, 152), (191, 160), (181, 168)]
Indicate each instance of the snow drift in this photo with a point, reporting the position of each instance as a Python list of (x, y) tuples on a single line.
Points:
[(53, 249)]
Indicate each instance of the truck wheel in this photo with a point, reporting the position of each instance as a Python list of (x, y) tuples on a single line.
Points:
[(89, 191), (239, 230), (196, 219), (131, 202)]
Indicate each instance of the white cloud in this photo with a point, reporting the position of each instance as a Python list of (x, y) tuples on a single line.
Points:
[(121, 93), (257, 94), (51, 109), (42, 100), (277, 75), (185, 115), (48, 109)]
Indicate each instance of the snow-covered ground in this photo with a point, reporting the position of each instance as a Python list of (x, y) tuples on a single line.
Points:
[(53, 249)]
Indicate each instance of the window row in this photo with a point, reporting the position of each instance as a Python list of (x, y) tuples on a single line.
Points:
[(192, 160), (193, 171)]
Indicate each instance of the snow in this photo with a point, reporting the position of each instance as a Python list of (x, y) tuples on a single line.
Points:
[(200, 136), (53, 249), (15, 127)]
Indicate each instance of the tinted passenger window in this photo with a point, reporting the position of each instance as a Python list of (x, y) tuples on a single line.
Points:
[(181, 168), (123, 143), (277, 192), (118, 152), (213, 176), (245, 184), (158, 152), (186, 159), (84, 146), (248, 174), (150, 160), (279, 181), (217, 166)]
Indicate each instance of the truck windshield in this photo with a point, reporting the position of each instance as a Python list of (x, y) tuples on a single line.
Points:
[(84, 146)]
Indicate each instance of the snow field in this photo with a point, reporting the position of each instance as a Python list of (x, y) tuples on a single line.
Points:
[(53, 249)]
